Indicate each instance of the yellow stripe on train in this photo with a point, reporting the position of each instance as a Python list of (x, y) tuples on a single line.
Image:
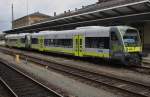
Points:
[(133, 49)]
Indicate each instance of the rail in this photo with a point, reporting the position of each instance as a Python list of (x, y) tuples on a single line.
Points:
[(123, 86), (22, 85)]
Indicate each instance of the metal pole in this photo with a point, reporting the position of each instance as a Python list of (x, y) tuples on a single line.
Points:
[(12, 15), (27, 6)]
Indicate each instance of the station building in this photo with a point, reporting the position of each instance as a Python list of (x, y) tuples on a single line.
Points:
[(29, 20)]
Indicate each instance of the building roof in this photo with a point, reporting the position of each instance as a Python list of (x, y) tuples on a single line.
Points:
[(97, 6), (34, 14)]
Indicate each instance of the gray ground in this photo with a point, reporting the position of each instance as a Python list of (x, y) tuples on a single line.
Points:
[(4, 93), (147, 59), (120, 72), (74, 87)]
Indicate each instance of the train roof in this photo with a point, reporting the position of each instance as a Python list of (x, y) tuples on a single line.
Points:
[(77, 30), (91, 27), (16, 35), (88, 29), (125, 27)]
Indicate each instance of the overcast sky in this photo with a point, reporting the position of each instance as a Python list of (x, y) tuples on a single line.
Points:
[(44, 6)]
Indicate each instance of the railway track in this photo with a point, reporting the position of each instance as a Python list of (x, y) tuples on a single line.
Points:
[(146, 64), (145, 69), (141, 69), (5, 90), (121, 86), (22, 85)]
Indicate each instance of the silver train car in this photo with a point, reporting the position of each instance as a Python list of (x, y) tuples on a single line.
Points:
[(121, 43)]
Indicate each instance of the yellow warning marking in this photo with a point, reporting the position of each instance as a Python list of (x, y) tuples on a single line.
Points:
[(17, 58)]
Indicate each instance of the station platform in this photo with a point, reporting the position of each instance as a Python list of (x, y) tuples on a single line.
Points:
[(146, 58)]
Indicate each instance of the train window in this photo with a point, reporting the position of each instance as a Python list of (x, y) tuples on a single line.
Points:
[(34, 41), (66, 43), (51, 42), (97, 42), (22, 40), (46, 42), (13, 40), (55, 42)]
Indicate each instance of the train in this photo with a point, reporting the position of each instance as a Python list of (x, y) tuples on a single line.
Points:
[(121, 43)]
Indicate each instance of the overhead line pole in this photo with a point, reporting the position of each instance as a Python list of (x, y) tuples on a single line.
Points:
[(27, 6), (12, 8)]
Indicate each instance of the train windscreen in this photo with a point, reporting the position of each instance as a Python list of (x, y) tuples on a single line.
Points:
[(131, 38)]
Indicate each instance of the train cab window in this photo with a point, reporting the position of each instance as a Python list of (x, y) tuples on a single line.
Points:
[(97, 42), (34, 41)]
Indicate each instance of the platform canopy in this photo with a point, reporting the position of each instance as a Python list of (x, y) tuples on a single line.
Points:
[(132, 12)]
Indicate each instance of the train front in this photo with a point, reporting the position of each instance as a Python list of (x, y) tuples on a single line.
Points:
[(132, 46)]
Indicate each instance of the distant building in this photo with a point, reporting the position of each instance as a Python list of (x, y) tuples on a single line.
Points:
[(29, 20)]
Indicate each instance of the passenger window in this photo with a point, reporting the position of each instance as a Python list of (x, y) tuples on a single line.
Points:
[(66, 43), (22, 40), (114, 36), (97, 42), (46, 42), (34, 41)]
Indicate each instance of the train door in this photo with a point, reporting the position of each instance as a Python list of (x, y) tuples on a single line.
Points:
[(18, 42), (78, 45), (114, 41), (75, 45), (81, 42), (41, 43), (116, 46), (27, 41)]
